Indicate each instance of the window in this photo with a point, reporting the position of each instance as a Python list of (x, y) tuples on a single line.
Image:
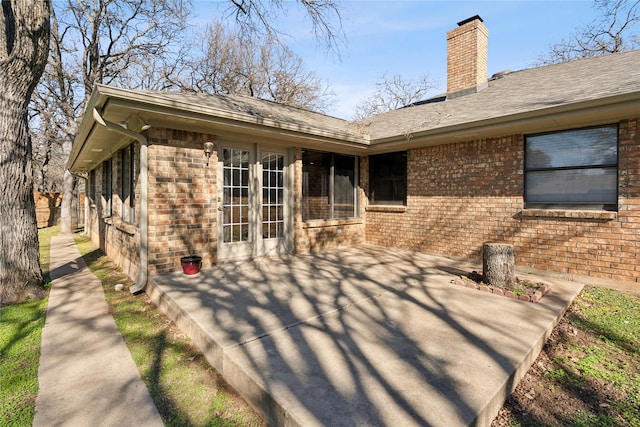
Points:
[(388, 179), (127, 190), (92, 186), (107, 179), (575, 169), (272, 195), (235, 202), (329, 187)]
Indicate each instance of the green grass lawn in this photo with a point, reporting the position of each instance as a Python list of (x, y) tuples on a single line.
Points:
[(588, 373), (20, 333), (184, 387), (611, 358), (188, 392)]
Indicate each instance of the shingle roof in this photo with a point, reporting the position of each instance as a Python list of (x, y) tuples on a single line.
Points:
[(579, 93), (257, 110), (518, 92)]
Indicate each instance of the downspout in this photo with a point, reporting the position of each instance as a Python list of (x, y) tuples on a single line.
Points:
[(141, 283)]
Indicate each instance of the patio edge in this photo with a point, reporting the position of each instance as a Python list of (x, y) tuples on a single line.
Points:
[(491, 410), (258, 397)]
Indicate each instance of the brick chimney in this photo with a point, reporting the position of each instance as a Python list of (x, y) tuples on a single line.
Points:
[(467, 56)]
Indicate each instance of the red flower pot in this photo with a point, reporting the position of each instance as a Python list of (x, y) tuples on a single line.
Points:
[(191, 264)]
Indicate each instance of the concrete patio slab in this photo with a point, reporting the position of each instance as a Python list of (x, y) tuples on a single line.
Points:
[(361, 336)]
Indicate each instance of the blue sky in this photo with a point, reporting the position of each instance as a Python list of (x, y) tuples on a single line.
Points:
[(409, 38)]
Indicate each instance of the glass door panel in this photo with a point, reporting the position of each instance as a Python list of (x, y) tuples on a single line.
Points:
[(236, 202), (272, 195), (252, 202), (235, 188)]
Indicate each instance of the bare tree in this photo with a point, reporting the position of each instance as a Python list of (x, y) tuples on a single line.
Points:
[(48, 159), (259, 17), (232, 63), (133, 43), (24, 42), (614, 30), (393, 93), (103, 41)]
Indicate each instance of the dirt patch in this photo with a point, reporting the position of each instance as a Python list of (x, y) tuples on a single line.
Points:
[(550, 395)]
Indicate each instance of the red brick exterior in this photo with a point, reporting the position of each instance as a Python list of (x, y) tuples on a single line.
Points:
[(182, 199), (459, 196), (118, 239), (462, 195), (181, 205)]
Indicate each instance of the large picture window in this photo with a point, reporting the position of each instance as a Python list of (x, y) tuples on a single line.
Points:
[(329, 188), (574, 169), (388, 179)]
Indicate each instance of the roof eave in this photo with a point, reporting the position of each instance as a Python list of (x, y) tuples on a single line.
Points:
[(215, 118), (119, 103), (85, 128), (579, 114)]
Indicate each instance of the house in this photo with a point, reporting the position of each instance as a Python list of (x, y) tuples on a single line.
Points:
[(547, 159)]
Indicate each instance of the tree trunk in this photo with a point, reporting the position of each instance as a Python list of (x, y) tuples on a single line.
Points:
[(68, 215), (498, 265), (24, 44)]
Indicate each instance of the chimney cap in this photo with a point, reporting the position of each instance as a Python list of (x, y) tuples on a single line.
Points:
[(473, 18)]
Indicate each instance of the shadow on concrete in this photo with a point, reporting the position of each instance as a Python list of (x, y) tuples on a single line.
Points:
[(361, 336)]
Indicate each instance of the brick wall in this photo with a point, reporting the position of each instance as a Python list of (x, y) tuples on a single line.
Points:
[(459, 196), (181, 205), (462, 195), (182, 208), (119, 240), (121, 243), (182, 199)]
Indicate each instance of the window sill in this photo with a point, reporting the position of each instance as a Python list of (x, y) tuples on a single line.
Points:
[(122, 226), (386, 208), (317, 223), (569, 214)]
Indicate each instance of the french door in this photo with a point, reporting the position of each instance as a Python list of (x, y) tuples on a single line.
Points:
[(253, 201)]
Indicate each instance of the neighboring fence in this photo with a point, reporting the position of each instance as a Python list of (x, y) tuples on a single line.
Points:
[(48, 208)]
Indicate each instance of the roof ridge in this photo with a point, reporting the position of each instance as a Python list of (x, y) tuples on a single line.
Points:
[(578, 60)]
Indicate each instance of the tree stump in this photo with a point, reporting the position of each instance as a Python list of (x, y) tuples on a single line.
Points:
[(498, 265)]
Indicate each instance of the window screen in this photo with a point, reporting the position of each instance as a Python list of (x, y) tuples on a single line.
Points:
[(572, 169), (107, 182), (388, 179), (128, 179)]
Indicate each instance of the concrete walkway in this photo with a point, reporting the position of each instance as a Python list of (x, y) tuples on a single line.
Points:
[(361, 336), (87, 376)]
